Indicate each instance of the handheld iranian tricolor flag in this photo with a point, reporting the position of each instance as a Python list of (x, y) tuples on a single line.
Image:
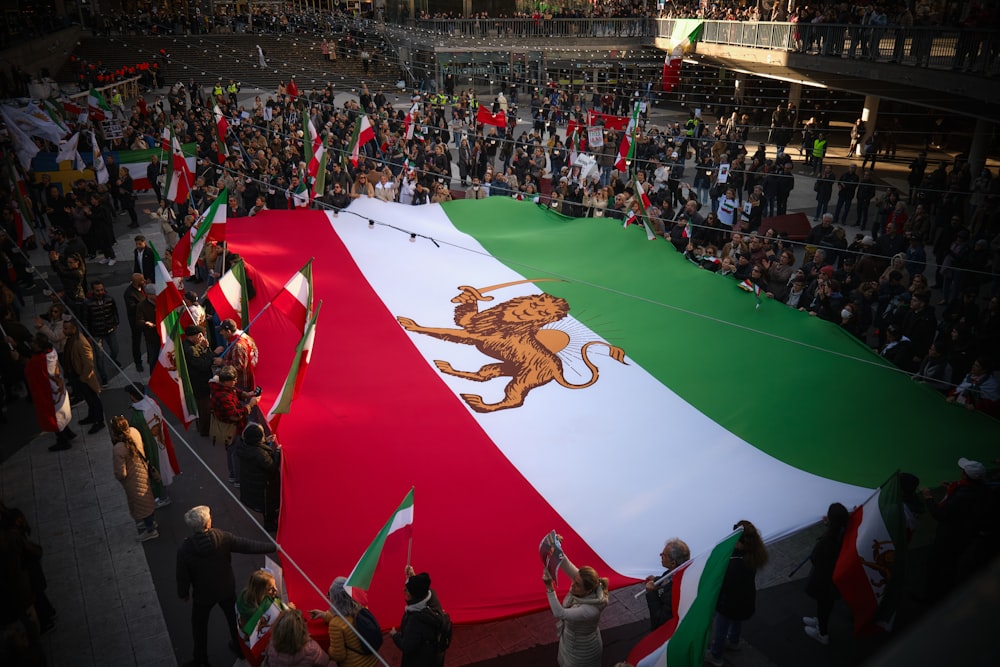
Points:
[(869, 570), (363, 133), (398, 527), (627, 147), (750, 286), (168, 297), (169, 379), (315, 150), (189, 247), (229, 296), (216, 217), (22, 212), (319, 182), (178, 178), (256, 632), (100, 169), (685, 33), (296, 374), (643, 200), (98, 106), (295, 299), (683, 639), (410, 121), (221, 132)]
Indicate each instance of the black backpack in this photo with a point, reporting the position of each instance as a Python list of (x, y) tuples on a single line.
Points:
[(369, 629), (441, 622)]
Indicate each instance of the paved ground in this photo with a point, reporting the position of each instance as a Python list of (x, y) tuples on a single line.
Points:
[(116, 598)]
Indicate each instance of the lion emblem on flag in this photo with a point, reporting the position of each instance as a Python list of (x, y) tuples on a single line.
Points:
[(513, 333)]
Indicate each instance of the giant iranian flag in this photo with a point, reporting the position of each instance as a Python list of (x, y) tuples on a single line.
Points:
[(526, 372)]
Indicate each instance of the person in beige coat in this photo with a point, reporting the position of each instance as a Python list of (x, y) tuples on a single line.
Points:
[(79, 356), (129, 466)]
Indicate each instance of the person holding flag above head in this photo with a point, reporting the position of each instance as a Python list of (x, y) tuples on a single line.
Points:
[(579, 615), (418, 632)]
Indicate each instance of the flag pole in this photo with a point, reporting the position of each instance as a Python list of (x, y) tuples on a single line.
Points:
[(409, 550)]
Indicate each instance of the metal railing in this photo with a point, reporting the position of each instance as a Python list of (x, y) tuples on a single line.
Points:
[(633, 28), (960, 49)]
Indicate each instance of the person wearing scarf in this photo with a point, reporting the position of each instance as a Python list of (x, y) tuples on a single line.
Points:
[(579, 615)]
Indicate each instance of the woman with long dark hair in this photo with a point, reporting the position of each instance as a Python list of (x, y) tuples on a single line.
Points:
[(738, 595), (820, 584)]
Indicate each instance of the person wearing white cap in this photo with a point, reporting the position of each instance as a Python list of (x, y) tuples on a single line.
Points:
[(960, 515)]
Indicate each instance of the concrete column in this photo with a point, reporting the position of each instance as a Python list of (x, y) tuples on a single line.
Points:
[(870, 115), (795, 97), (981, 138)]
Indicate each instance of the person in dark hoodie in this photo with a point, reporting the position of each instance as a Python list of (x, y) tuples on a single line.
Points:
[(205, 572), (260, 465), (418, 630)]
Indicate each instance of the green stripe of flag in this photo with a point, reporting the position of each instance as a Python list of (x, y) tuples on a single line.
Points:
[(739, 366)]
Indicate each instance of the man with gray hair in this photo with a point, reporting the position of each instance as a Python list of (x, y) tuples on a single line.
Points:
[(205, 571), (658, 597)]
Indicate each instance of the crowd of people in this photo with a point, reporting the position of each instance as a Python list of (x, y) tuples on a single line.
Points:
[(710, 193)]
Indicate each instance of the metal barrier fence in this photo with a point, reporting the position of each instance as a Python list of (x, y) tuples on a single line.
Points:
[(960, 49), (521, 28)]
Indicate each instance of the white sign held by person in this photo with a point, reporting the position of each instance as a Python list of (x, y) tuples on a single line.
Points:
[(595, 137), (587, 165)]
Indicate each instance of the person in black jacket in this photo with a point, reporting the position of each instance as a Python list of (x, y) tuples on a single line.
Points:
[(205, 572), (198, 356), (143, 261), (102, 323), (658, 599), (260, 464), (820, 586), (738, 595), (418, 630)]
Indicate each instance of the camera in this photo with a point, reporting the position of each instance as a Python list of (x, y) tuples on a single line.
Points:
[(257, 391)]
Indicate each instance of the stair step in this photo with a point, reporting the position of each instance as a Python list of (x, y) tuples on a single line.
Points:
[(206, 58)]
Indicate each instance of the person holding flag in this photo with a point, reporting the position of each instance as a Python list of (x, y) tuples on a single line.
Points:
[(738, 594), (240, 352), (659, 596), (346, 648), (579, 615), (147, 418), (819, 585), (418, 631)]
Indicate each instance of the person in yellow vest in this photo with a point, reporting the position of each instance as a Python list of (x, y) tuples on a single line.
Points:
[(231, 90), (818, 153), (117, 103), (218, 92)]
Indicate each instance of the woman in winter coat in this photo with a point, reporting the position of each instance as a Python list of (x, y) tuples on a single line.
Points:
[(260, 464), (129, 465), (738, 595), (346, 648), (579, 615), (820, 584), (291, 645)]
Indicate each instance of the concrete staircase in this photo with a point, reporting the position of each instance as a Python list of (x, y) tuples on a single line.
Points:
[(210, 57)]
